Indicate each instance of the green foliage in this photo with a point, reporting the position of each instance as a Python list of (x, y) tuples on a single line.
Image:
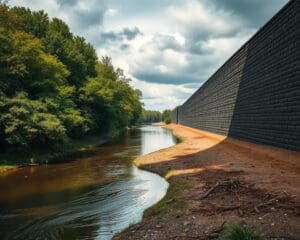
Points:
[(110, 102), (79, 57), (52, 86), (7, 19), (167, 116), (26, 122), (28, 68), (35, 23), (236, 232)]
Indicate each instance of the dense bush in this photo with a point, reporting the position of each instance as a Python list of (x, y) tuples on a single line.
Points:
[(167, 116)]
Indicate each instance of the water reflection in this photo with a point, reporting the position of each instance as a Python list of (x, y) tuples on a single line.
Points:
[(91, 198)]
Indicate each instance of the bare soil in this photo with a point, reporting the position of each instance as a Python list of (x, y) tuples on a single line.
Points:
[(217, 181)]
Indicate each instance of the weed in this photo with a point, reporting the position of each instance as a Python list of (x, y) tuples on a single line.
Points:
[(236, 232)]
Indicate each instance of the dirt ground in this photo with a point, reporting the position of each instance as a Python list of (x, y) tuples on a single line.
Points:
[(217, 181)]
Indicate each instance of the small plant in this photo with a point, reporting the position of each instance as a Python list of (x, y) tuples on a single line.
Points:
[(236, 232), (168, 121)]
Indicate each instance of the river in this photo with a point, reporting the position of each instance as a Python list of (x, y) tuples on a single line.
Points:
[(89, 198)]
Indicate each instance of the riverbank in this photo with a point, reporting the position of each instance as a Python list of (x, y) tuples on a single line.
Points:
[(216, 182), (76, 148)]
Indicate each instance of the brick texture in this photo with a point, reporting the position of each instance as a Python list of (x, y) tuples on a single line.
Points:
[(255, 95)]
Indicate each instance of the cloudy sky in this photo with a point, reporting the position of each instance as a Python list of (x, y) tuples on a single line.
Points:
[(168, 47)]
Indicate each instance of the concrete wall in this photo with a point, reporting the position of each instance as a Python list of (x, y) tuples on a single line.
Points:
[(255, 95)]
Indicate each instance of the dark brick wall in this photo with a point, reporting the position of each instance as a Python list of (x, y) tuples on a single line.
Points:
[(255, 95)]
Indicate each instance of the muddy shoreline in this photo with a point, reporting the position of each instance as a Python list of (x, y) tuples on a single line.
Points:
[(57, 157), (216, 182)]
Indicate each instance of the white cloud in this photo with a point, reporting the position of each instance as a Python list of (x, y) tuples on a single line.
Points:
[(162, 96), (161, 68), (112, 12), (196, 20)]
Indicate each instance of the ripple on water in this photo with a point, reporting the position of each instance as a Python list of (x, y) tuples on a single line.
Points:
[(94, 209)]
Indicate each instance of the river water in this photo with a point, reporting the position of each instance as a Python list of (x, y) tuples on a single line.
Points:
[(90, 198)]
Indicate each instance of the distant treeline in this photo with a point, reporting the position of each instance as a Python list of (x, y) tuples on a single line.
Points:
[(149, 116), (53, 88)]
